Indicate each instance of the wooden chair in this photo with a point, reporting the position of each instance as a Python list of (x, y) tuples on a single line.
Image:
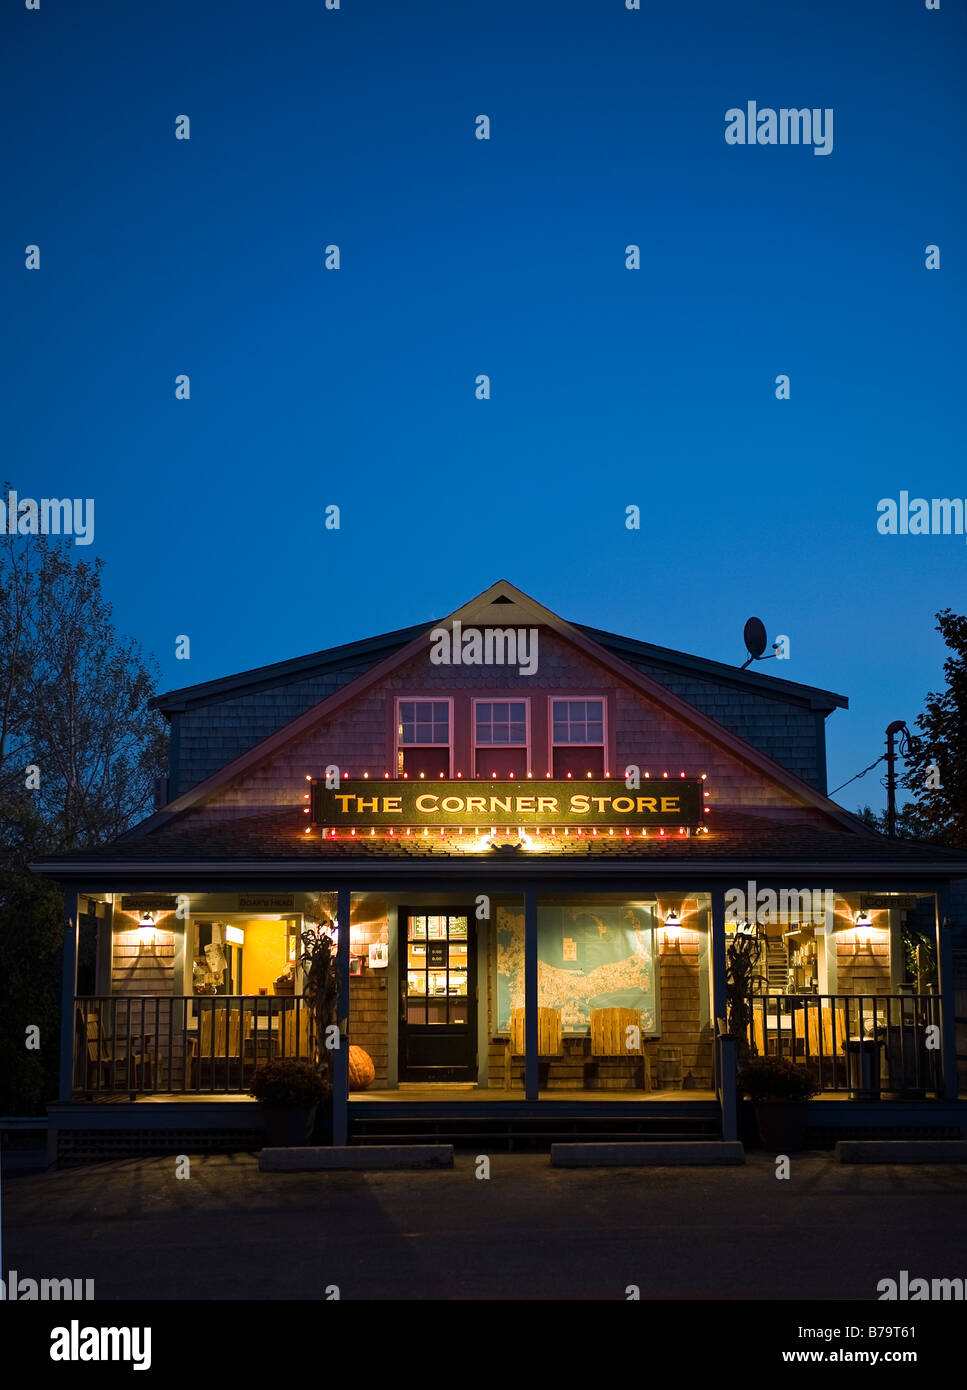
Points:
[(835, 1021), (104, 1057), (549, 1043), (219, 1039), (609, 1037), (805, 1027), (91, 1052), (297, 1035), (227, 1033), (758, 1027), (807, 1050), (548, 1032)]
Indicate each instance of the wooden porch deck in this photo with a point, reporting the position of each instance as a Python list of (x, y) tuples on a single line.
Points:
[(481, 1095)]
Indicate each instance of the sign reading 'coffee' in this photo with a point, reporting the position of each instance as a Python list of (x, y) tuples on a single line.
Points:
[(598, 803)]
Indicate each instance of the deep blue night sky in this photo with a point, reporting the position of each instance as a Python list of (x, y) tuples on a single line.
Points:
[(609, 387)]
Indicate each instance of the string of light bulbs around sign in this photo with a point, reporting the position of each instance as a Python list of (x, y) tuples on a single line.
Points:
[(551, 832)]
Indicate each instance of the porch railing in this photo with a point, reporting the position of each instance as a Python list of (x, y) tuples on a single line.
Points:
[(183, 1044), (867, 1044)]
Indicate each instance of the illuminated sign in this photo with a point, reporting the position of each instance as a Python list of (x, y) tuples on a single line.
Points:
[(458, 803)]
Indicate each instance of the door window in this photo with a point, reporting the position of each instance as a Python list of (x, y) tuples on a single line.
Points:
[(437, 978)]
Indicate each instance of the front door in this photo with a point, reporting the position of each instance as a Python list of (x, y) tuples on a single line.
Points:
[(438, 995)]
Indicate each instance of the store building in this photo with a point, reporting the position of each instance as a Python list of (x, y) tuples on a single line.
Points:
[(545, 840)]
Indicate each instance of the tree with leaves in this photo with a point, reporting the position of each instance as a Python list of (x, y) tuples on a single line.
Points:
[(936, 758), (79, 753), (79, 747), (936, 765)]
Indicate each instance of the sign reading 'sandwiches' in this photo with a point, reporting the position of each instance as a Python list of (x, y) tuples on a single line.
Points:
[(423, 803)]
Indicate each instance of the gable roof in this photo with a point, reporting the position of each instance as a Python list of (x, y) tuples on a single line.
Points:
[(501, 605), (278, 672), (259, 677), (814, 696)]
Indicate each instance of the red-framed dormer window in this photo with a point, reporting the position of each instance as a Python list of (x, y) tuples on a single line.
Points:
[(578, 735), (501, 738), (424, 737)]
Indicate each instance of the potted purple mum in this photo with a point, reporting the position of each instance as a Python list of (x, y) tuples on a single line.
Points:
[(779, 1090), (290, 1089)]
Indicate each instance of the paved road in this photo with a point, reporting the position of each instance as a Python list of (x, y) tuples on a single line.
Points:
[(529, 1231)]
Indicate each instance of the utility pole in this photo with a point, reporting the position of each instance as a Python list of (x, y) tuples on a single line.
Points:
[(897, 727)]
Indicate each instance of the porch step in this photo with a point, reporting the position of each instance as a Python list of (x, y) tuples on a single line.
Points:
[(532, 1131)]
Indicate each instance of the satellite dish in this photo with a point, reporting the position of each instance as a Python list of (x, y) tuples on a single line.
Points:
[(754, 635)]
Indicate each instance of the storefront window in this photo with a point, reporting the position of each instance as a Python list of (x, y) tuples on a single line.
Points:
[(589, 957)]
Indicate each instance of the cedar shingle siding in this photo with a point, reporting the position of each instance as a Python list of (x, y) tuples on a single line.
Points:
[(792, 735), (217, 730), (212, 734)]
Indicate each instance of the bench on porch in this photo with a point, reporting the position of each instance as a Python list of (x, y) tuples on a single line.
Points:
[(610, 1037), (580, 1063)]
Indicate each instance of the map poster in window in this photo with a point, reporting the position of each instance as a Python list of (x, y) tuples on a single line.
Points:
[(587, 958)]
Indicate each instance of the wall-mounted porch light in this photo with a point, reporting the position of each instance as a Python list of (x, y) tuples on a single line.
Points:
[(672, 924), (863, 924), (146, 931)]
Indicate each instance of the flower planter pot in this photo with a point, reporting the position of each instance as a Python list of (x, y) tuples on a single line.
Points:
[(322, 1128), (781, 1125), (286, 1129)]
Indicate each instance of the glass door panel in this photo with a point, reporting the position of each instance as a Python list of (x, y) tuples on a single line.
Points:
[(438, 1003)]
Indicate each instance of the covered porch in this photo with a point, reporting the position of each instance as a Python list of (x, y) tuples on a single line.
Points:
[(873, 1034)]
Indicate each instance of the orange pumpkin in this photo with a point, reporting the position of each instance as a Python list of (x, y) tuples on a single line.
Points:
[(362, 1072)]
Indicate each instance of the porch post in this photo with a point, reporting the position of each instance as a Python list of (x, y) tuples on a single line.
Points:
[(945, 989), (718, 1002), (726, 1047), (531, 1070), (340, 1057), (68, 990), (728, 1095)]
